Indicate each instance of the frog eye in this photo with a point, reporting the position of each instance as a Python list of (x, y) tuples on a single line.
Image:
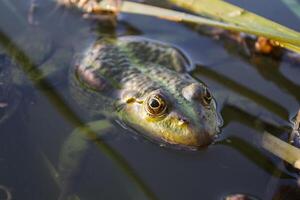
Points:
[(206, 97), (156, 105), (197, 92)]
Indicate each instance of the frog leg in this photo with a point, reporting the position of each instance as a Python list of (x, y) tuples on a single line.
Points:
[(147, 50), (73, 152)]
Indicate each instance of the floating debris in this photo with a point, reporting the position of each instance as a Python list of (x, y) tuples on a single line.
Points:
[(94, 6), (3, 104), (5, 192), (263, 45)]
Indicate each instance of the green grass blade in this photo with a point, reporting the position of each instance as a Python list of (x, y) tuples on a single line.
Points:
[(138, 8), (245, 21)]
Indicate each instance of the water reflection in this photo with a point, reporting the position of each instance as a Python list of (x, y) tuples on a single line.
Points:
[(65, 35), (34, 73), (243, 91), (268, 65)]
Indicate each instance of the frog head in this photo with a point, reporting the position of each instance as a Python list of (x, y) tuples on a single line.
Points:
[(187, 119)]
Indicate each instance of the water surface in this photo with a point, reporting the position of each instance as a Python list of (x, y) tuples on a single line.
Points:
[(46, 114)]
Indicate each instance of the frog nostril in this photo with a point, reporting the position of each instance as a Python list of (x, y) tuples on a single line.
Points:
[(207, 97)]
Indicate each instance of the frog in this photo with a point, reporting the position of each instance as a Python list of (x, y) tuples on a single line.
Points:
[(143, 84)]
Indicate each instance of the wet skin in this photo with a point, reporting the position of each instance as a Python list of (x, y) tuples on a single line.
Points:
[(143, 84)]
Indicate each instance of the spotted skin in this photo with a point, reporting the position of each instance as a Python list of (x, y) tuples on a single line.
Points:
[(118, 76)]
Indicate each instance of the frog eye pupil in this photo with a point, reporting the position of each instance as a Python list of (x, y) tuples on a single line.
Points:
[(154, 103)]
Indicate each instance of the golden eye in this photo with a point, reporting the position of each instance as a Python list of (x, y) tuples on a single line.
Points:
[(156, 105), (206, 97)]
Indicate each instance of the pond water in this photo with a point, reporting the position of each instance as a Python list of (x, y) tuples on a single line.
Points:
[(129, 166)]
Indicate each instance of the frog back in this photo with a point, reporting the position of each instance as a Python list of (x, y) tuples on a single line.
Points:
[(108, 68)]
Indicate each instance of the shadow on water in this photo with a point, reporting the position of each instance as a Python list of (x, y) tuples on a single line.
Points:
[(268, 66), (232, 113), (270, 70), (243, 91), (259, 159), (32, 72)]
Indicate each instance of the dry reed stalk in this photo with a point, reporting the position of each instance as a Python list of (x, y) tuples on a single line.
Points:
[(282, 149)]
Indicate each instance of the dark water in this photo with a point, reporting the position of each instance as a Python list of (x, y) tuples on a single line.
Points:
[(131, 167)]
